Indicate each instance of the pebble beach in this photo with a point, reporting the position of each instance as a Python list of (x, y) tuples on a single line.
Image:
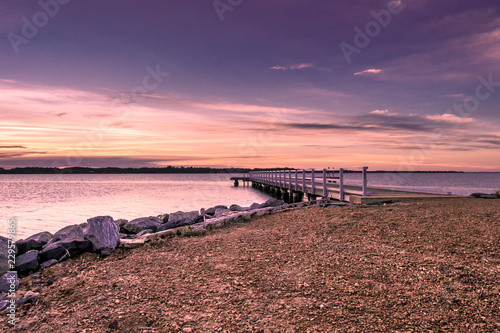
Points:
[(422, 265)]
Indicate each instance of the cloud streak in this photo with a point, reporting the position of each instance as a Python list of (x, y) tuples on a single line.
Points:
[(293, 67)]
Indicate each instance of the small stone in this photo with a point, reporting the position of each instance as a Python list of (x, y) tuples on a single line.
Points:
[(48, 263), (114, 324), (4, 304), (105, 252)]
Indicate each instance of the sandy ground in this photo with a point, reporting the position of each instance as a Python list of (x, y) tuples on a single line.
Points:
[(430, 265)]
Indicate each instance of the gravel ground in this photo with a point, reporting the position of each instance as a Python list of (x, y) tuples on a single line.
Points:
[(429, 265)]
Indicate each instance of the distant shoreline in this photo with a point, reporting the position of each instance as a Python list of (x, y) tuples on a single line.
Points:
[(176, 170)]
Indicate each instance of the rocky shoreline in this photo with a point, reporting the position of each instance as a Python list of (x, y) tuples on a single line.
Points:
[(103, 234), (416, 265)]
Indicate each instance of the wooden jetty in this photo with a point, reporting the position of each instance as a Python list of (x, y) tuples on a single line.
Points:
[(293, 185)]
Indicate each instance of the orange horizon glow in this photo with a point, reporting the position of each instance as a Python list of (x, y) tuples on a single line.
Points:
[(61, 127)]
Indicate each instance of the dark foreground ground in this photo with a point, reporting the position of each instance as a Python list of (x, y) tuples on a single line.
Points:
[(422, 266)]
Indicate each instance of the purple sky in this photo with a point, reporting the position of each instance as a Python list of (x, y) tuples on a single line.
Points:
[(269, 85)]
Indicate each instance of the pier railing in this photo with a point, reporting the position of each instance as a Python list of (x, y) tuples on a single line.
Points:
[(328, 183)]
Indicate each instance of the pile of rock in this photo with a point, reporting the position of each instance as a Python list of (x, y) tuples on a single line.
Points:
[(102, 234), (495, 195)]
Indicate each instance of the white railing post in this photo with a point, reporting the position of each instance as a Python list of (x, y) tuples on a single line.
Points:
[(290, 180), (341, 184), (296, 176), (280, 179), (325, 190), (304, 181), (365, 181), (313, 185)]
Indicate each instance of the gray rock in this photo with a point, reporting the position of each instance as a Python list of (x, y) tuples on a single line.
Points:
[(57, 250), (70, 238), (184, 217), (166, 226), (52, 251), (180, 219), (255, 206), (27, 262), (4, 255), (22, 247), (272, 203), (38, 241), (121, 222), (102, 232), (220, 211), (4, 304), (105, 252), (497, 194), (144, 232), (142, 223), (69, 232), (7, 281), (48, 263), (211, 211), (120, 235), (236, 208), (163, 218)]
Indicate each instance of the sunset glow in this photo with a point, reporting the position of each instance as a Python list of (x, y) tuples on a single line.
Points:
[(131, 85)]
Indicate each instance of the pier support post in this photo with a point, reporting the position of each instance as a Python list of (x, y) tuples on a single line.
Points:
[(236, 183), (365, 181), (286, 196), (298, 196)]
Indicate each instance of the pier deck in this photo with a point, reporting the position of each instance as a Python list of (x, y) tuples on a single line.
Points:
[(326, 183)]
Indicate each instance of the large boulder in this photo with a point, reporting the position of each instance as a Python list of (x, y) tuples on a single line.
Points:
[(35, 242), (52, 251), (69, 239), (220, 211), (102, 232), (57, 250), (142, 223), (255, 206), (236, 208), (69, 232), (4, 255), (27, 262), (272, 203), (184, 217), (211, 210), (9, 282), (179, 219)]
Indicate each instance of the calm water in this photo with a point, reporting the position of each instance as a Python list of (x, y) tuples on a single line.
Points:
[(50, 202)]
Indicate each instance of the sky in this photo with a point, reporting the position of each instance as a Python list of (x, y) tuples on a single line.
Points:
[(389, 84)]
